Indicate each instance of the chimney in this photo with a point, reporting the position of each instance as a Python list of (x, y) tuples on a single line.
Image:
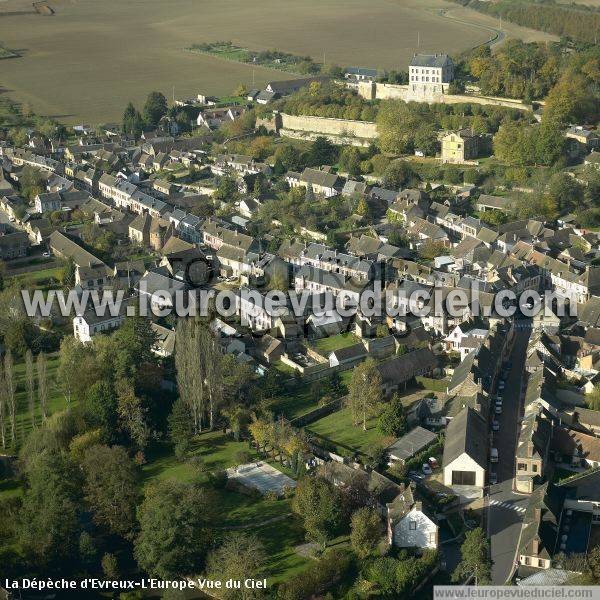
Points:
[(529, 449), (535, 544)]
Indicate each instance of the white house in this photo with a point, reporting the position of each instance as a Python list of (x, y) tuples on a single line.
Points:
[(86, 326), (465, 453), (409, 525), (461, 332)]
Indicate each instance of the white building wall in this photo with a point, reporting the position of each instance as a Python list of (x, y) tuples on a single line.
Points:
[(415, 530)]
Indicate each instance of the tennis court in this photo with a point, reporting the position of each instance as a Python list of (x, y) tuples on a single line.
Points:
[(261, 476)]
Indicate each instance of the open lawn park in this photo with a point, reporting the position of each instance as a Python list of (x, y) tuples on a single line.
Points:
[(112, 52)]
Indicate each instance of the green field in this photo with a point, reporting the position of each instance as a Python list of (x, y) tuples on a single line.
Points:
[(91, 58), (236, 510), (336, 342), (56, 400), (338, 429)]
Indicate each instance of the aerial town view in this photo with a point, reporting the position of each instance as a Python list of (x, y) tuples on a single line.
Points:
[(299, 299)]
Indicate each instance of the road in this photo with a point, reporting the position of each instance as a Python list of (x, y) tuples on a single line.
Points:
[(504, 509)]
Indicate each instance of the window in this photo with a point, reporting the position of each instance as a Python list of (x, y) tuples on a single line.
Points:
[(521, 467), (412, 525), (527, 561), (463, 477), (432, 537), (541, 563), (534, 468)]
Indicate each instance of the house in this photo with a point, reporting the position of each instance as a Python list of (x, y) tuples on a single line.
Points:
[(545, 320), (165, 341), (356, 74), (158, 290), (13, 245), (462, 332), (91, 323), (486, 202), (326, 324), (466, 453), (373, 488), (575, 449), (150, 231), (255, 311), (540, 528), (91, 272), (410, 444), (533, 445), (289, 86), (350, 355), (409, 525), (429, 76), (128, 273), (268, 348), (460, 146), (582, 495), (320, 182), (47, 202), (398, 371), (583, 139), (215, 117), (583, 419)]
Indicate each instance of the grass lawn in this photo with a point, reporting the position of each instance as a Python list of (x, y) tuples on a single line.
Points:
[(301, 398), (237, 511), (56, 400), (43, 279), (280, 539), (326, 345), (217, 450), (435, 385), (338, 429)]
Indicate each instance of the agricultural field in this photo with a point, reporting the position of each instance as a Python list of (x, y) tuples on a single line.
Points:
[(90, 58)]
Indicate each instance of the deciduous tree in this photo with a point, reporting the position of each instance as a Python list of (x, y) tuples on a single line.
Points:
[(111, 487), (364, 392), (175, 532), (365, 528)]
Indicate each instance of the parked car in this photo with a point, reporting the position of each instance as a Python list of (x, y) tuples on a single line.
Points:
[(494, 455), (426, 469), (433, 463), (498, 409), (495, 425), (500, 385), (493, 478), (46, 254), (415, 476)]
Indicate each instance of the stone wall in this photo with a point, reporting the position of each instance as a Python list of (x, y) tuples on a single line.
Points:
[(388, 91), (324, 126)]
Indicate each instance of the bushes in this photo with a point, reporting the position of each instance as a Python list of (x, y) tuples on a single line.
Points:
[(398, 578), (335, 566)]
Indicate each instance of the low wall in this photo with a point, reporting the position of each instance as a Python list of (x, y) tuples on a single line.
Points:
[(389, 91), (339, 127)]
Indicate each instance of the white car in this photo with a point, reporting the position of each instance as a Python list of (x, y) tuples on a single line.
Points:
[(426, 469), (11, 219), (46, 254), (498, 409)]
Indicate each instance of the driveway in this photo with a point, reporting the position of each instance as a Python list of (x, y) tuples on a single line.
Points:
[(504, 509)]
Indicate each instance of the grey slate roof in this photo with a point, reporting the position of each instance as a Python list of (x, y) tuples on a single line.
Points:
[(430, 60), (467, 433), (411, 443)]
